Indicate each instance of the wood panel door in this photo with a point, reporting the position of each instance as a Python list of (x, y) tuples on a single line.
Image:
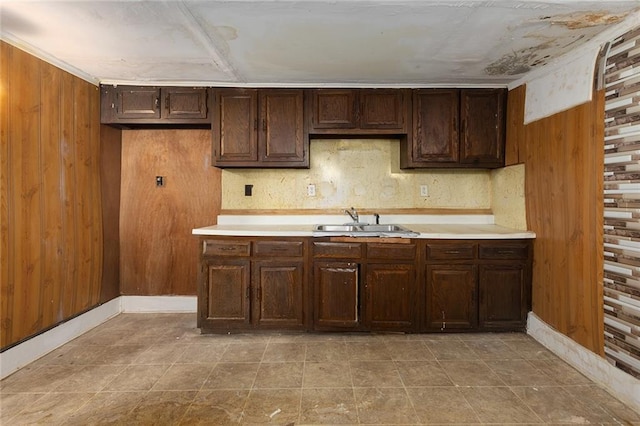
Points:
[(382, 109), (234, 127), (482, 127), (390, 294), (452, 302), (435, 120), (224, 296), (281, 137), (503, 296), (336, 295), (333, 109), (157, 250)]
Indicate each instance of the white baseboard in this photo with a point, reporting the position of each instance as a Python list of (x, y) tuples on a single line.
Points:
[(159, 304), (620, 384), (30, 350)]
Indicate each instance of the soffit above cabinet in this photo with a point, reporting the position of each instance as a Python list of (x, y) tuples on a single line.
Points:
[(307, 44)]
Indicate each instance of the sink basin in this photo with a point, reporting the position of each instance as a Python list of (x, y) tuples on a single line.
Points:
[(363, 229)]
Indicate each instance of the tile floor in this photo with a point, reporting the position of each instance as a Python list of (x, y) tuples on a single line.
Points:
[(157, 369)]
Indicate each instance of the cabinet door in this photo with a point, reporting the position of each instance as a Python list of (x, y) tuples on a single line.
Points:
[(435, 126), (137, 102), (277, 294), (503, 296), (282, 140), (336, 298), (333, 109), (223, 295), (451, 297), (390, 294), (382, 109), (482, 136), (234, 127), (184, 103)]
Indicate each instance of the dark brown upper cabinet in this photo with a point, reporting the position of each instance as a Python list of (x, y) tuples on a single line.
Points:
[(462, 128), (482, 130), (139, 105), (259, 128), (358, 111)]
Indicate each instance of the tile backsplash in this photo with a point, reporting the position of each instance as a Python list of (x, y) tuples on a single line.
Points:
[(363, 173)]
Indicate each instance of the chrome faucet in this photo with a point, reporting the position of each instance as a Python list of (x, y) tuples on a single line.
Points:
[(353, 214)]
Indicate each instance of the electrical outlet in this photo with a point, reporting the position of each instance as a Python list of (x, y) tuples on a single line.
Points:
[(311, 190), (424, 191)]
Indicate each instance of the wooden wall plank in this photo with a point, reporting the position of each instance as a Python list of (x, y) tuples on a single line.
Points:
[(110, 169), (24, 137), (158, 252), (50, 133), (6, 227), (68, 182), (563, 168), (82, 186), (51, 242)]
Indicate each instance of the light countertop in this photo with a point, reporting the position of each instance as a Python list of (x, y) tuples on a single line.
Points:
[(449, 227)]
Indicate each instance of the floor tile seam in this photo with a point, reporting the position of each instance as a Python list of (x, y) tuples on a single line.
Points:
[(525, 403), (27, 406), (404, 386), (304, 368), (473, 409)]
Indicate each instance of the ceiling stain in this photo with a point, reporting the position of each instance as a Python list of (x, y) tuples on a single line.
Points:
[(511, 64), (578, 20)]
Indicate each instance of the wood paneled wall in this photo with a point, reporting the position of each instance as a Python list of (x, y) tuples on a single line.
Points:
[(51, 208), (159, 256), (563, 159)]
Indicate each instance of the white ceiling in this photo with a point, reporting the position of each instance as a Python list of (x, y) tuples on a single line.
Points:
[(307, 43)]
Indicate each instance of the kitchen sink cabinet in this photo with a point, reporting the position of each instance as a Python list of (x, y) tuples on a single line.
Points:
[(336, 295), (364, 286), (138, 105), (456, 128), (358, 111), (259, 128), (252, 284), (390, 297)]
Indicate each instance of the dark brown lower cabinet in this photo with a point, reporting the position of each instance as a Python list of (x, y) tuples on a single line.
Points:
[(277, 294), (365, 286), (252, 283), (503, 296), (390, 294), (223, 294), (451, 297), (336, 296)]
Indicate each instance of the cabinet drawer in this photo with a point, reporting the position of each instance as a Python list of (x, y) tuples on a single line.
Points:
[(451, 251), (391, 251), (278, 248), (226, 248), (518, 250), (337, 250)]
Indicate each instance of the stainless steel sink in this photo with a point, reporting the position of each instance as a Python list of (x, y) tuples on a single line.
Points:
[(363, 230)]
